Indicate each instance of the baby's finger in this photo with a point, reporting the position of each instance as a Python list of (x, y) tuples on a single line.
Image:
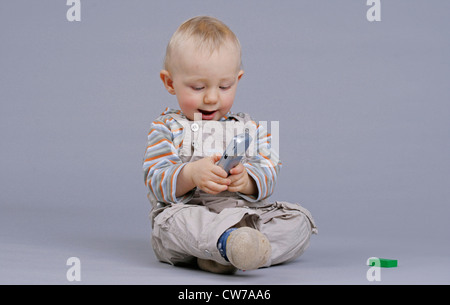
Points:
[(237, 169), (219, 180), (216, 157), (236, 186), (214, 188), (217, 170), (234, 178)]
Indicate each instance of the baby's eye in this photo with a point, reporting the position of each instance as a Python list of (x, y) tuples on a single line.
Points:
[(225, 87), (197, 88)]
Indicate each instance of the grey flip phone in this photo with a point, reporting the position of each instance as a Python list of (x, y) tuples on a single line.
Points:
[(235, 151)]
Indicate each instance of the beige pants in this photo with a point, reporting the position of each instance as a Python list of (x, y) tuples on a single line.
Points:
[(183, 232)]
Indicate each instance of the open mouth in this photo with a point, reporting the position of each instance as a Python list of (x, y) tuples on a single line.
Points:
[(206, 112), (207, 115)]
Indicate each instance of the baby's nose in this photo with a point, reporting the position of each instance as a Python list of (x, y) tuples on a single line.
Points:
[(211, 97)]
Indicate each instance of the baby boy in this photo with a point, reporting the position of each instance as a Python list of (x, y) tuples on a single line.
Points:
[(222, 221)]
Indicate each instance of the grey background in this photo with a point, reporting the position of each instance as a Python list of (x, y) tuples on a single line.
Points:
[(364, 134)]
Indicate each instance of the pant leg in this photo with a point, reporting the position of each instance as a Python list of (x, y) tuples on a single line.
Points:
[(288, 227), (182, 232)]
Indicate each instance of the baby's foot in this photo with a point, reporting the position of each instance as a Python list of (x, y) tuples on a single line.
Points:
[(247, 248)]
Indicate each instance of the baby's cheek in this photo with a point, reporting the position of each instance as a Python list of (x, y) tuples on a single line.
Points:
[(188, 104), (227, 102)]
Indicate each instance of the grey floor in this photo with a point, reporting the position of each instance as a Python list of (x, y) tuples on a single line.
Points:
[(36, 244)]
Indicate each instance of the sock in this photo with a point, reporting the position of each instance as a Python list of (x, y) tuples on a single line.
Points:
[(222, 243)]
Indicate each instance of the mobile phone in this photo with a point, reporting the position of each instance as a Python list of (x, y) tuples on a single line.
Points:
[(235, 151)]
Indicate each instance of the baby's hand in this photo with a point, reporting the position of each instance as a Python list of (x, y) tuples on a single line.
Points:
[(208, 176), (241, 181)]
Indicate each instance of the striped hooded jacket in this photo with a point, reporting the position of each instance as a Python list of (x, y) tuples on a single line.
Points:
[(162, 162)]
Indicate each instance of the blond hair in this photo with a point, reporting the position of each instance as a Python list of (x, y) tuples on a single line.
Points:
[(207, 33)]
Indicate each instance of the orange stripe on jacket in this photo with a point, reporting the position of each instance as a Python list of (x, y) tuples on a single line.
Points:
[(160, 156)]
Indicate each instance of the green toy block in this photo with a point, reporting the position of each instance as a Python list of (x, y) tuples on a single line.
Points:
[(383, 262)]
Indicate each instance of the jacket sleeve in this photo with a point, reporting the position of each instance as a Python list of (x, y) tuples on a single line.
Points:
[(161, 164), (263, 166)]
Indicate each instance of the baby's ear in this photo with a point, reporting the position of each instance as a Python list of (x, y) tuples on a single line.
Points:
[(167, 81), (240, 74)]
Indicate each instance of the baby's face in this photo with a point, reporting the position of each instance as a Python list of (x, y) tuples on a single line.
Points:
[(206, 83)]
